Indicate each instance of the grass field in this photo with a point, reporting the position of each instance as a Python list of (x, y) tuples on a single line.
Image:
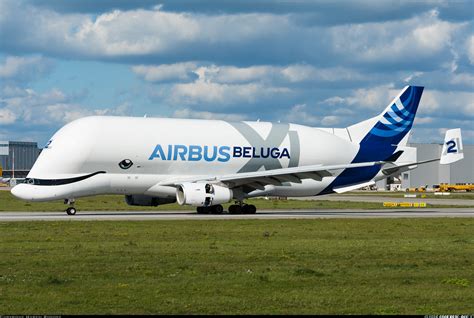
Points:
[(117, 203), (339, 266), (400, 194)]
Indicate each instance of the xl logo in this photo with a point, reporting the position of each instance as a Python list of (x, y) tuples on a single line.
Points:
[(452, 146), (275, 138)]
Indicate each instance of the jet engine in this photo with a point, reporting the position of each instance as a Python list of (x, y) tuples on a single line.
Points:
[(202, 194), (146, 200)]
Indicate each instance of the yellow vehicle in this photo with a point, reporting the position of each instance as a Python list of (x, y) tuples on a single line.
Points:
[(418, 189), (446, 187)]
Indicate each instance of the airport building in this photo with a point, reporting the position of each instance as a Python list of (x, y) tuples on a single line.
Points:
[(433, 173), (17, 157)]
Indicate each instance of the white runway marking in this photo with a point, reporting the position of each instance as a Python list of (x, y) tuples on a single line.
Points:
[(263, 214)]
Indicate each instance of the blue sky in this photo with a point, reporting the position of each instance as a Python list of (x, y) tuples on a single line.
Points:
[(318, 63)]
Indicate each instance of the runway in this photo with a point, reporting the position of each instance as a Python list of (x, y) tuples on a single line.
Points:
[(261, 215)]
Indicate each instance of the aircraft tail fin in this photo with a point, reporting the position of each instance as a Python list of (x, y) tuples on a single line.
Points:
[(452, 147), (380, 136)]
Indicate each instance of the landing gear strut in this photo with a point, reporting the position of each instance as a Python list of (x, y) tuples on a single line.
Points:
[(71, 210)]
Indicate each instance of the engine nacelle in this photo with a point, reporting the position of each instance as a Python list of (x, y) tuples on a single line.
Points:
[(146, 200), (202, 194)]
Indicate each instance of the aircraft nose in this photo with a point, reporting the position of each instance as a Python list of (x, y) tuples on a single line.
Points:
[(21, 192)]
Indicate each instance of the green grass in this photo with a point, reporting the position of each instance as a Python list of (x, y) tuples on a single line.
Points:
[(117, 203), (400, 194), (339, 266)]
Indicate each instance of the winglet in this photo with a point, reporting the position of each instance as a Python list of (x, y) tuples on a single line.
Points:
[(452, 147)]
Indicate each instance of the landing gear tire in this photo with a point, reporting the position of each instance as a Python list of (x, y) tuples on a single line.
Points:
[(217, 209), (249, 209), (71, 211), (202, 210), (235, 209)]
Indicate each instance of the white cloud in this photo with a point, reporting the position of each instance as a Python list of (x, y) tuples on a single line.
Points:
[(24, 68), (53, 106), (203, 90), (433, 37), (232, 74), (412, 76), (462, 79), (257, 75), (165, 72), (443, 103), (377, 97), (423, 120), (330, 120), (405, 41), (64, 113), (470, 49), (298, 73), (130, 33), (7, 116), (299, 113)]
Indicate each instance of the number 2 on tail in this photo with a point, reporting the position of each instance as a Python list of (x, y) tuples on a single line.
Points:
[(451, 146)]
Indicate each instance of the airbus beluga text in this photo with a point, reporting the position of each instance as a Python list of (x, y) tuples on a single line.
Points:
[(205, 163)]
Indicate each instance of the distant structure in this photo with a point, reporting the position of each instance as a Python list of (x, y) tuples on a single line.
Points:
[(17, 157), (433, 173)]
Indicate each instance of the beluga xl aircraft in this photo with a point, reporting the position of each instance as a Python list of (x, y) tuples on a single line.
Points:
[(205, 163)]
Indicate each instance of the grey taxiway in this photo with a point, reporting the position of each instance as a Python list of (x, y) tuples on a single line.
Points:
[(262, 214)]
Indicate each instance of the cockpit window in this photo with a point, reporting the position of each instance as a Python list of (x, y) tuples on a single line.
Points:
[(53, 182)]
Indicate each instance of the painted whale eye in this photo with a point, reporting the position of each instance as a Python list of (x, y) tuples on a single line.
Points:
[(125, 164)]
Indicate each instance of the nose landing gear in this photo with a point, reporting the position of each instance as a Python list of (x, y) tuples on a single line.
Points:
[(70, 210)]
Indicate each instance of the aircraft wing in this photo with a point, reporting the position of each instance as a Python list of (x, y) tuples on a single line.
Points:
[(258, 179)]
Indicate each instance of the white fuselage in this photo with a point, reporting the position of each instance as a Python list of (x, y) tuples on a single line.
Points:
[(166, 149)]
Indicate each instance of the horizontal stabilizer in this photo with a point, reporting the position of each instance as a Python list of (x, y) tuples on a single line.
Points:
[(452, 147)]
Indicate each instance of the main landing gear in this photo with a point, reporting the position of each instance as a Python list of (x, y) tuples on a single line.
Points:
[(242, 209), (233, 209), (71, 210), (213, 209)]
